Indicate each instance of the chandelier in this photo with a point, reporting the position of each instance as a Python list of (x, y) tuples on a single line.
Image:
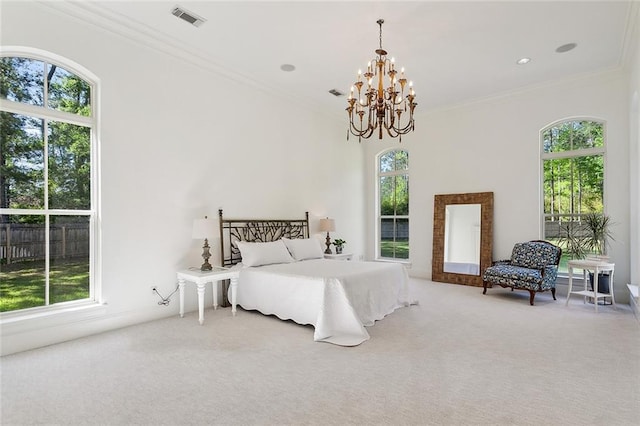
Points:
[(377, 107)]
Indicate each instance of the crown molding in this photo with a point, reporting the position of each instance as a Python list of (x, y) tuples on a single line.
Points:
[(568, 81), (132, 31), (631, 34)]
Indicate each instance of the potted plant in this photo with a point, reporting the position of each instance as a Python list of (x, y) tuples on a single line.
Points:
[(589, 238), (598, 233), (573, 241), (339, 243), (597, 240)]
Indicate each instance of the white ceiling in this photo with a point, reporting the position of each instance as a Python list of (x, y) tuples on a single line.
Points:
[(453, 51)]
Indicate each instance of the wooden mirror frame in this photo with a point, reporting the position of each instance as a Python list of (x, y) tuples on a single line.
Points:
[(485, 199)]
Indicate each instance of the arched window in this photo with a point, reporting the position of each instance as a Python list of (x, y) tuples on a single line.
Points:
[(573, 170), (393, 205), (48, 188)]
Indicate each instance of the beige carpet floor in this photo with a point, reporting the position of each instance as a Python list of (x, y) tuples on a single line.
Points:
[(458, 358)]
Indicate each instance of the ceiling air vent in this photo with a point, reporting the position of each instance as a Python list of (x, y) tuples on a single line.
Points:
[(336, 92), (190, 17)]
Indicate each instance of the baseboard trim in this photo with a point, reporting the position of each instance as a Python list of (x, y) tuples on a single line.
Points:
[(42, 331), (634, 300)]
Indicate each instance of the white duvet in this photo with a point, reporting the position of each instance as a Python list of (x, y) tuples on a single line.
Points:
[(338, 298)]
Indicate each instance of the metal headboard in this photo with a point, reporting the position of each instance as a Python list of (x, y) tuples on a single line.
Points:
[(256, 230)]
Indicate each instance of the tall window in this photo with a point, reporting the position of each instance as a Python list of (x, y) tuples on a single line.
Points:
[(47, 212), (573, 179), (393, 199)]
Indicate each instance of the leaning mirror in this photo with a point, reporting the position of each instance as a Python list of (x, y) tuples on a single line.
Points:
[(462, 237)]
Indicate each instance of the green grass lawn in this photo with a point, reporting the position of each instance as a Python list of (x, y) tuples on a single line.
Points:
[(401, 249), (22, 285)]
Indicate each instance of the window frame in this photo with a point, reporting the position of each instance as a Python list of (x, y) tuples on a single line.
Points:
[(93, 213), (379, 216), (574, 153)]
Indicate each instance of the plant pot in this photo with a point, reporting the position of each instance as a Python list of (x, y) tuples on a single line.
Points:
[(338, 249), (603, 283)]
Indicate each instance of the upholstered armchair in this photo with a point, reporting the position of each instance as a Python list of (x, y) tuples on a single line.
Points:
[(533, 266)]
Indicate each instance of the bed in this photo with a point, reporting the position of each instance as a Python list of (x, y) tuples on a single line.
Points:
[(283, 273)]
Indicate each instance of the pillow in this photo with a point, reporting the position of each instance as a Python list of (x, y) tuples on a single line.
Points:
[(256, 254), (302, 249)]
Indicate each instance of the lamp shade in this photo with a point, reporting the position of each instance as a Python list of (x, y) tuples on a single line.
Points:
[(203, 228), (327, 225)]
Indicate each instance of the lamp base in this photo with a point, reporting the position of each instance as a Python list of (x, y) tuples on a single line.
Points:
[(328, 243), (206, 254)]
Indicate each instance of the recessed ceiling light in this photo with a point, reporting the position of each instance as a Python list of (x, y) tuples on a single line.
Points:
[(523, 61), (287, 67), (566, 47)]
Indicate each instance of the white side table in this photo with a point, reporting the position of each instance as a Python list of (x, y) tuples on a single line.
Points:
[(341, 256), (200, 279), (596, 266)]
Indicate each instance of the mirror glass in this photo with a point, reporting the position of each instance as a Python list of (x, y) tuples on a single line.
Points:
[(462, 239)]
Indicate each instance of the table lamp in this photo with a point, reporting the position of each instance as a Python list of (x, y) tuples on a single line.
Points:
[(327, 225), (204, 228)]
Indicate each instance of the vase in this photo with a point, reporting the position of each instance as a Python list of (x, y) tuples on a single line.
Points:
[(338, 249)]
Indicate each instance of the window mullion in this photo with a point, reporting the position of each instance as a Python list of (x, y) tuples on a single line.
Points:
[(47, 256), (576, 153), (47, 218)]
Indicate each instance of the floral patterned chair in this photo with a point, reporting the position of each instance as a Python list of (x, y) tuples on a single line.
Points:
[(533, 267)]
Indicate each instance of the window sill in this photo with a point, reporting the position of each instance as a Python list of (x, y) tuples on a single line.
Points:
[(30, 319), (403, 262)]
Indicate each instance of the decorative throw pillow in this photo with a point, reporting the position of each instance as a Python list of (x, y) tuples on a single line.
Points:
[(303, 249), (257, 254)]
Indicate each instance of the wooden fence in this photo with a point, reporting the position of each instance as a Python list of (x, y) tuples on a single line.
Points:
[(401, 230), (26, 242), (557, 228)]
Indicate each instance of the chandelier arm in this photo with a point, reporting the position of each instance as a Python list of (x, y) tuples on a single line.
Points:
[(366, 133), (406, 129)]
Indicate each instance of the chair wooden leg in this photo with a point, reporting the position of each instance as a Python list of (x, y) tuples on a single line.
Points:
[(484, 284), (553, 293), (532, 294)]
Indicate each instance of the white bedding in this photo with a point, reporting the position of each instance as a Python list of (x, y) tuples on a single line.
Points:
[(338, 298)]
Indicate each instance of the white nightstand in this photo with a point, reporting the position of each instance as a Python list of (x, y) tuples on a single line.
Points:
[(201, 278), (341, 256)]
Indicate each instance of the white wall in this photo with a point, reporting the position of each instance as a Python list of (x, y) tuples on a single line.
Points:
[(634, 148), (494, 145), (172, 152)]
